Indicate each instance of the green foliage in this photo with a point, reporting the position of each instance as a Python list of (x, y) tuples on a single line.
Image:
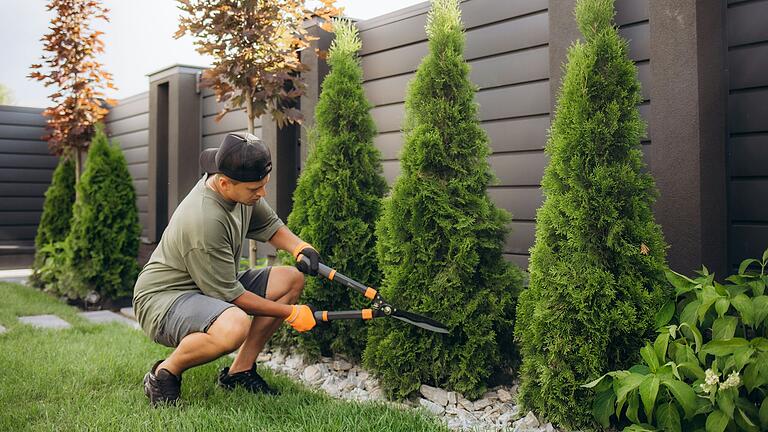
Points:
[(104, 239), (441, 237), (338, 197), (54, 222), (597, 263), (711, 360)]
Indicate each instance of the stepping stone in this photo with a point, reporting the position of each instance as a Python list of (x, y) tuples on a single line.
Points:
[(45, 321), (3, 329), (104, 316), (128, 312)]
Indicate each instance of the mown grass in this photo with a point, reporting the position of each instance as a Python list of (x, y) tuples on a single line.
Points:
[(89, 378)]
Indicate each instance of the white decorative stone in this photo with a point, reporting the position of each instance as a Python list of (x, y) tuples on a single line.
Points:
[(504, 395), (278, 357), (549, 428), (341, 365), (480, 404), (294, 362), (313, 374), (431, 406), (527, 423), (264, 357), (491, 395), (434, 394), (452, 398), (128, 313), (3, 329), (45, 321), (466, 404)]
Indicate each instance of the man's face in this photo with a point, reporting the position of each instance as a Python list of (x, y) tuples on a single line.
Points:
[(247, 193)]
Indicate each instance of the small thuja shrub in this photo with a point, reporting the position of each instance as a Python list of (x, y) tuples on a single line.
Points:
[(338, 197), (104, 239), (441, 237), (597, 265), (54, 222)]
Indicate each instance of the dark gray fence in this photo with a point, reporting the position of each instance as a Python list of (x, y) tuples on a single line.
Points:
[(25, 173), (747, 128), (213, 131), (128, 124)]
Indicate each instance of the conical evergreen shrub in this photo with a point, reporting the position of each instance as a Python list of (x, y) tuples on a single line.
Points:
[(338, 197), (597, 262), (441, 237), (104, 239), (54, 222)]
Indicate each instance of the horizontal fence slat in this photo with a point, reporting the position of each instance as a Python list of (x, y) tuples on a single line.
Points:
[(12, 132), (139, 171), (22, 203), (749, 155), (22, 190), (233, 121), (521, 237), (141, 187), (16, 233), (129, 108), (631, 11), (748, 200), (136, 155), (28, 161), (214, 141), (142, 202), (130, 124), (24, 147), (748, 66), (529, 133), (522, 203), (746, 23), (23, 118), (20, 218), (748, 111), (131, 140), (518, 260), (523, 169), (639, 37), (16, 175)]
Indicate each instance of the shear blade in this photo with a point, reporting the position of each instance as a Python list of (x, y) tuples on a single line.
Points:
[(419, 321)]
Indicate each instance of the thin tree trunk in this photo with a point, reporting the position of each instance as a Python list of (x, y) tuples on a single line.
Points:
[(252, 245)]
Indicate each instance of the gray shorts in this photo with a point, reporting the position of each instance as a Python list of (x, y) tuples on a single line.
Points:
[(195, 312)]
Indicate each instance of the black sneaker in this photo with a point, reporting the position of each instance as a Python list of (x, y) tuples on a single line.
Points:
[(161, 386), (249, 380)]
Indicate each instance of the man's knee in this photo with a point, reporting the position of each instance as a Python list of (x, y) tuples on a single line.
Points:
[(230, 329), (296, 281)]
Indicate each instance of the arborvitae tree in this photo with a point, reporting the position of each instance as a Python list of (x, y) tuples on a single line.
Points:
[(441, 237), (597, 263), (54, 222), (338, 197), (104, 238)]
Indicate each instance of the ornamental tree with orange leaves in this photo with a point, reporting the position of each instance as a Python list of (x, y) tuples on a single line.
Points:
[(70, 66), (255, 45)]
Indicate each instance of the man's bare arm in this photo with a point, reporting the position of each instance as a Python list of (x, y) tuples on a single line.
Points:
[(256, 305)]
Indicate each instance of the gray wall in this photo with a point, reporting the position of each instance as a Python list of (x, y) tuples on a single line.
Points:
[(508, 49), (747, 38), (26, 168), (128, 124), (214, 132)]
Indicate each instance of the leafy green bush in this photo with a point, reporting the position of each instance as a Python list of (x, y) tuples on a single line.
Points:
[(597, 263), (338, 197), (441, 237), (104, 239), (54, 222), (707, 370)]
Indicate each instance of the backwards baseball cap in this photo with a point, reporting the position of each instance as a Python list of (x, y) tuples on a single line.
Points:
[(241, 157)]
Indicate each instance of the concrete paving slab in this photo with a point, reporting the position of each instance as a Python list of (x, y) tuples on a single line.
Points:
[(104, 316), (45, 321)]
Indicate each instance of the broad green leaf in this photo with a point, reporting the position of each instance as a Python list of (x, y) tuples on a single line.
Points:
[(746, 263), (681, 283), (649, 355), (745, 423), (623, 386), (640, 369), (688, 315), (708, 297), (717, 421), (743, 304), (633, 406), (649, 388), (592, 384), (696, 334), (602, 407), (639, 428), (724, 328), (696, 372), (758, 287), (750, 377), (726, 401), (684, 395), (760, 343), (760, 307), (724, 347), (734, 290), (741, 357), (764, 414), (672, 330), (668, 418), (660, 346), (721, 306), (765, 256), (736, 279), (665, 314)]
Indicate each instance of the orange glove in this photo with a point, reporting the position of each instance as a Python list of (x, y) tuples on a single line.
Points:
[(301, 318)]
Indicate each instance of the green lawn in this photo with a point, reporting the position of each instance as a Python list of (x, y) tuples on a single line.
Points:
[(90, 378)]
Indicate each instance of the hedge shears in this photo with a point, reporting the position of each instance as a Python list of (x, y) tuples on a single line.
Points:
[(379, 306)]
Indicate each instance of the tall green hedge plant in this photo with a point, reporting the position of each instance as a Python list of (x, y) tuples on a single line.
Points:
[(338, 197), (597, 264), (441, 237)]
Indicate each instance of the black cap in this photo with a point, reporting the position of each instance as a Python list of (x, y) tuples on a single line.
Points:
[(241, 157)]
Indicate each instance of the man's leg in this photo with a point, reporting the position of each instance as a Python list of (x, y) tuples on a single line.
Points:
[(225, 335), (283, 286)]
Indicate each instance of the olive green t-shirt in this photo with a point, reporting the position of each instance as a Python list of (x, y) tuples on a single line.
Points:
[(199, 252)]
